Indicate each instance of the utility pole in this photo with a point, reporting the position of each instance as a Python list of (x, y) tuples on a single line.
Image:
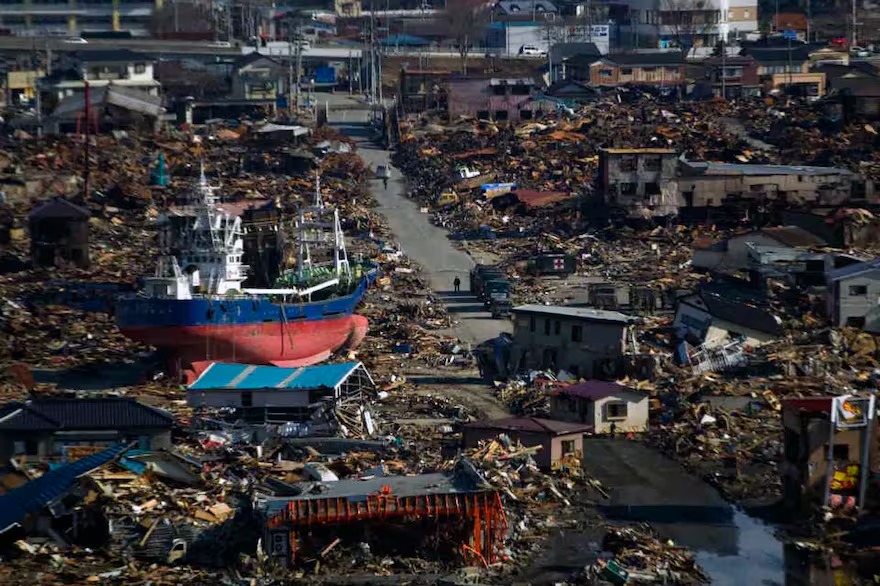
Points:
[(854, 23), (290, 90), (723, 69), (809, 20), (298, 65)]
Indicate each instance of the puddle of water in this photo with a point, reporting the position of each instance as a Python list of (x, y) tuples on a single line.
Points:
[(759, 557)]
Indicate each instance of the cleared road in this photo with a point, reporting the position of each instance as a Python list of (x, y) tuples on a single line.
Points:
[(423, 242)]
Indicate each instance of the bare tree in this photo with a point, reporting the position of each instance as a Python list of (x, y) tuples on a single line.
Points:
[(464, 22), (688, 19)]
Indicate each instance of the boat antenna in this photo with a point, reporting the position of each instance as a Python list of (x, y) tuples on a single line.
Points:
[(319, 203)]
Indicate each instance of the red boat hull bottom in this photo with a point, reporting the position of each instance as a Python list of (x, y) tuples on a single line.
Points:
[(298, 343)]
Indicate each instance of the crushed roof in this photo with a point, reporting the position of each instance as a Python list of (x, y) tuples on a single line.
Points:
[(30, 498), (530, 424), (221, 376), (741, 313)]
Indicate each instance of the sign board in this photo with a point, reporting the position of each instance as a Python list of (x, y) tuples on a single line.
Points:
[(789, 34), (848, 412)]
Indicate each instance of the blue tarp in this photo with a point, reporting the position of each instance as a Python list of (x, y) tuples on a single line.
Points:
[(37, 494), (244, 377), (404, 41)]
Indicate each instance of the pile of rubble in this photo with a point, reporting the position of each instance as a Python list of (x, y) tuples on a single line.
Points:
[(635, 555)]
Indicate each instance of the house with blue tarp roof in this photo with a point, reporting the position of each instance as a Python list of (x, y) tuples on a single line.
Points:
[(273, 394)]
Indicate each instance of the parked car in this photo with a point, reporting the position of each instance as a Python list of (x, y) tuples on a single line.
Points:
[(222, 44), (531, 51), (76, 41), (859, 52)]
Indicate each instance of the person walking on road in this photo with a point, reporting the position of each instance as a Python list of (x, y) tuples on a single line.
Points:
[(613, 429), (457, 284), (385, 182)]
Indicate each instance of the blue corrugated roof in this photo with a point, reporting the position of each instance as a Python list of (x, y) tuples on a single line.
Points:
[(30, 498), (248, 377)]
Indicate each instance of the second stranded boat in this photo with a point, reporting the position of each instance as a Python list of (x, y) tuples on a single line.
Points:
[(196, 309)]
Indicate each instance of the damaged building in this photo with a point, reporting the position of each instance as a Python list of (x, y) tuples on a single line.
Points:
[(449, 513), (656, 183), (327, 399)]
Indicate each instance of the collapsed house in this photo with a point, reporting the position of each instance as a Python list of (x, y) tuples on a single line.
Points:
[(453, 512), (327, 399)]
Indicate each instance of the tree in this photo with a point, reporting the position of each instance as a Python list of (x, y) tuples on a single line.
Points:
[(687, 19), (464, 21)]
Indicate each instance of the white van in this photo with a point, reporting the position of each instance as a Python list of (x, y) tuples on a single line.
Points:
[(531, 51)]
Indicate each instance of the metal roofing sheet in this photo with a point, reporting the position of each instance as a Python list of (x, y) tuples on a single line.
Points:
[(247, 376), (29, 498)]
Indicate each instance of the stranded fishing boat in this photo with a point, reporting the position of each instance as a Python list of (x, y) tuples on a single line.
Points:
[(196, 309)]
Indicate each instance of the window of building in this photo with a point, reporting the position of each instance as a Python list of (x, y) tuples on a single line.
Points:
[(839, 452), (525, 114), (628, 164), (532, 323), (649, 69), (652, 163), (557, 327), (747, 13), (501, 115), (140, 67), (855, 322), (546, 327), (616, 410), (605, 73), (567, 447), (626, 71), (247, 399), (628, 188), (652, 188), (499, 90), (858, 290), (577, 333), (483, 114), (520, 90)]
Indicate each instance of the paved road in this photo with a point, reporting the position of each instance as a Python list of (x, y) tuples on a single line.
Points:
[(646, 486), (425, 243)]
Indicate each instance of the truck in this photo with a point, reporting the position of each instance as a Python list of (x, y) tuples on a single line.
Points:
[(559, 264), (491, 286), (447, 198)]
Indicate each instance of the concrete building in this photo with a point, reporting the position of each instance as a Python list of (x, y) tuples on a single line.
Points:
[(713, 320), (599, 404), (695, 26), (68, 17), (56, 428), (421, 90), (732, 254), (640, 182), (59, 233), (736, 188), (853, 296), (502, 100), (575, 339), (558, 439)]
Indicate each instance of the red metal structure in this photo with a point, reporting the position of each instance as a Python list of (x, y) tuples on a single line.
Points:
[(484, 509)]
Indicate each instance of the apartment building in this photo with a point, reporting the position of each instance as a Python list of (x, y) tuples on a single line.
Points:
[(696, 25), (72, 17)]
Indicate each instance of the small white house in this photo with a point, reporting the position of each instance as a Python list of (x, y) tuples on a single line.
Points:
[(601, 404), (118, 67)]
